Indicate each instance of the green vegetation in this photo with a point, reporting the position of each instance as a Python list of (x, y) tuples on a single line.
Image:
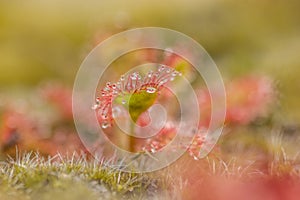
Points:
[(31, 176)]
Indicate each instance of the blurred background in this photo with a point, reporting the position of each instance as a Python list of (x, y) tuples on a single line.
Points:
[(46, 41)]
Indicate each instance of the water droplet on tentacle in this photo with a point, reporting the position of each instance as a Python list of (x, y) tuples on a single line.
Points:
[(151, 90), (161, 68), (104, 116), (94, 107), (105, 125), (122, 78), (134, 76), (106, 89), (175, 73), (149, 74)]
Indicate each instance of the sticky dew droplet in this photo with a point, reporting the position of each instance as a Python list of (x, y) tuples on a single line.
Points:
[(151, 90)]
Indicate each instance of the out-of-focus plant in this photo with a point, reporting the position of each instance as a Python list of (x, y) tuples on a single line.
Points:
[(48, 132), (248, 98), (61, 97)]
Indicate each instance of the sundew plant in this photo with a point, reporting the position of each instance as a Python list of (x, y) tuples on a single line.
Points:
[(94, 107), (136, 94)]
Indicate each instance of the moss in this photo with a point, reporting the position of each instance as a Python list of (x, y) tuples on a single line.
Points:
[(31, 176)]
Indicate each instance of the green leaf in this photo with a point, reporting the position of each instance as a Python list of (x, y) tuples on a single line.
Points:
[(139, 102)]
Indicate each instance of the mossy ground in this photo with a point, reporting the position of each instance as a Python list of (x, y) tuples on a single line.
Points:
[(258, 157), (31, 176)]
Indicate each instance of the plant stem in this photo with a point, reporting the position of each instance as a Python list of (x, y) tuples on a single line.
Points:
[(131, 142)]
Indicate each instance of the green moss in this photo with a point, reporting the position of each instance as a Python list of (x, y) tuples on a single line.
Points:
[(67, 178)]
